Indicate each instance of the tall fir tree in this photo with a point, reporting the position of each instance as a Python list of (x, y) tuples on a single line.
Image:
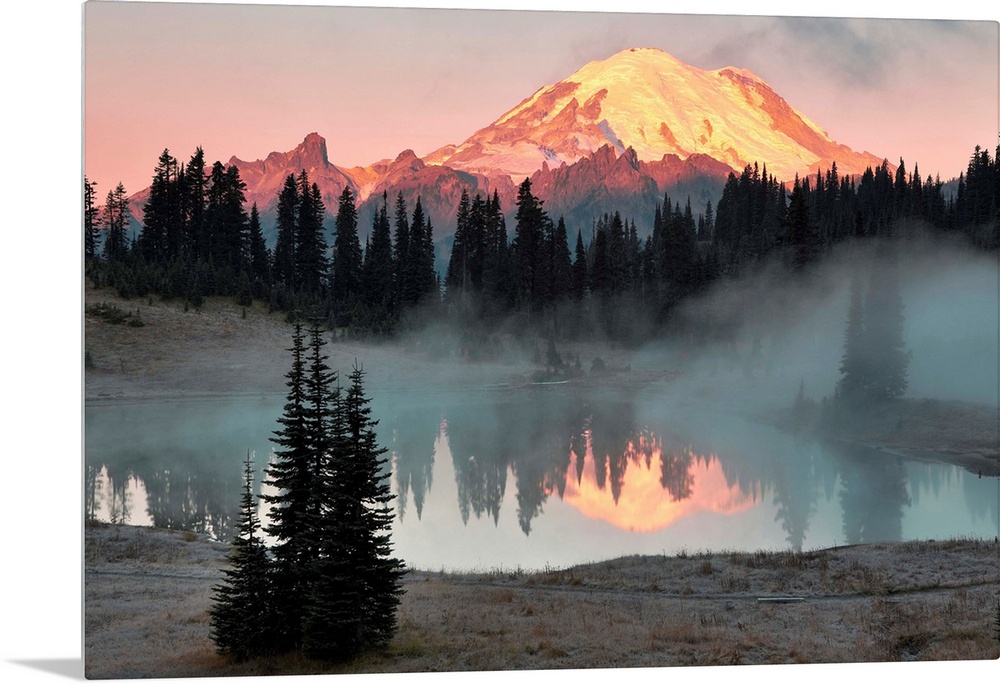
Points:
[(242, 613), (800, 231), (290, 476), (377, 273), (457, 277), (91, 214), (161, 213), (311, 261), (853, 373), (561, 265), (116, 221), (260, 256), (418, 278), (367, 493), (196, 199), (284, 247), (579, 269), (345, 281), (526, 247), (401, 246), (227, 224), (886, 357)]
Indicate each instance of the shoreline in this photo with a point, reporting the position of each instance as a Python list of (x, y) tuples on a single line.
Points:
[(147, 592)]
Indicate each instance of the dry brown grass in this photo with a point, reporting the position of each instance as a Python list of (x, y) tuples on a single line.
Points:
[(147, 592)]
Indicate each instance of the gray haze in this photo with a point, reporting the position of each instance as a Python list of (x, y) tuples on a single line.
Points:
[(792, 330)]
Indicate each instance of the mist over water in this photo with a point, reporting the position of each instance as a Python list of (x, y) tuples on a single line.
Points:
[(556, 475), (778, 331)]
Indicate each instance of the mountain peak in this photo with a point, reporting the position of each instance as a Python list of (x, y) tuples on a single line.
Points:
[(312, 152), (648, 100)]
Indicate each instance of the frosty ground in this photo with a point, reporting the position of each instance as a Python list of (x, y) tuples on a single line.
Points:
[(147, 593)]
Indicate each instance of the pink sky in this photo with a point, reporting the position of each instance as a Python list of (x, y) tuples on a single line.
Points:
[(246, 80)]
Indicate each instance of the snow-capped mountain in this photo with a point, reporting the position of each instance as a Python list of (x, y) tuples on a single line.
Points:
[(615, 135), (647, 100)]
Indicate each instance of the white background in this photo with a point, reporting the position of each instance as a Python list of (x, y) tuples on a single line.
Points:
[(40, 173)]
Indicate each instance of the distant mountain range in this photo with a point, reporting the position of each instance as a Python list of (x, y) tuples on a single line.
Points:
[(615, 135)]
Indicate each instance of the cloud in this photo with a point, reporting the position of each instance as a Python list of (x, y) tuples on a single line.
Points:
[(866, 54)]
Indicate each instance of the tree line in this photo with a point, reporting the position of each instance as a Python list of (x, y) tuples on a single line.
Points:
[(197, 239)]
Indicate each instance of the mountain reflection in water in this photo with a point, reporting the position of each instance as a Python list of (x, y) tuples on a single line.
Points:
[(542, 478)]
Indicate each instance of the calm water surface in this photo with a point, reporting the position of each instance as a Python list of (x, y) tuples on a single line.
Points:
[(536, 478)]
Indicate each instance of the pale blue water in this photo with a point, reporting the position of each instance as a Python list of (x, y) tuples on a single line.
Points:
[(527, 479)]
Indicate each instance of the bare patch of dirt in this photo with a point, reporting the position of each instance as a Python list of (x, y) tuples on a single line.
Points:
[(147, 593)]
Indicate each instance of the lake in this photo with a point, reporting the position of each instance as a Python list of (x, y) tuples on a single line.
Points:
[(534, 478)]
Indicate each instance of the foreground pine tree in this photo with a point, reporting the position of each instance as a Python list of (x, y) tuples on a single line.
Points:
[(242, 615), (356, 584), (369, 518), (335, 586), (290, 475)]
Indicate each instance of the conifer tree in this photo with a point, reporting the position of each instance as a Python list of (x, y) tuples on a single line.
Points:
[(497, 283), (311, 263), (561, 265), (601, 274), (196, 197), (800, 231), (418, 277), (370, 517), (346, 267), (354, 583), (91, 229), (527, 247), (887, 359), (260, 256), (479, 242), (284, 247), (241, 616), (290, 475), (116, 224), (226, 224), (377, 272), (579, 269), (875, 362), (401, 245), (163, 214), (456, 279), (431, 281), (853, 374), (336, 587), (330, 621)]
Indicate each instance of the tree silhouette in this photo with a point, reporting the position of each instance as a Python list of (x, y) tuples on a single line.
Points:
[(91, 229), (116, 224), (290, 474), (345, 278), (887, 358), (242, 613), (336, 585), (355, 586), (875, 362), (854, 376)]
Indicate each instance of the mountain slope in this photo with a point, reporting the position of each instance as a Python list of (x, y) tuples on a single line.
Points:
[(646, 99), (615, 135)]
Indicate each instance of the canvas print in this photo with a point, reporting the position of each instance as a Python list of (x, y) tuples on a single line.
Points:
[(423, 340)]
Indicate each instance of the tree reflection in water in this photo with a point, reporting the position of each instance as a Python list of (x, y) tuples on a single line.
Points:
[(635, 466), (872, 495)]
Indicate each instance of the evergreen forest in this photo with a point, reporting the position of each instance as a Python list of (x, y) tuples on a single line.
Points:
[(599, 281)]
